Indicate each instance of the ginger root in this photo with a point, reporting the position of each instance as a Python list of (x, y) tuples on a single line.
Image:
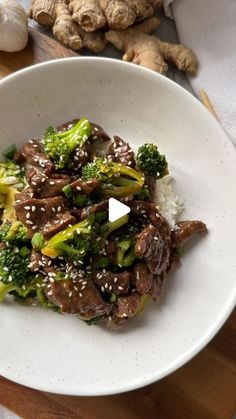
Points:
[(88, 14), (55, 14), (149, 51)]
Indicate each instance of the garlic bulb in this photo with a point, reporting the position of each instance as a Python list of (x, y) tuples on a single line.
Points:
[(13, 26)]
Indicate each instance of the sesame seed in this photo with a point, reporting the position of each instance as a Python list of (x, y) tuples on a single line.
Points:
[(5, 269), (50, 292), (42, 209), (120, 288), (53, 209), (43, 179), (83, 287), (51, 182), (33, 208), (28, 215), (33, 183), (29, 222), (34, 227), (102, 288), (58, 209), (84, 283), (78, 188), (106, 285), (80, 294), (110, 288), (70, 294), (27, 207), (115, 279), (155, 238)]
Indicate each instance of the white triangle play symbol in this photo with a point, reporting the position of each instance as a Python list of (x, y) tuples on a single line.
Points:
[(116, 209)]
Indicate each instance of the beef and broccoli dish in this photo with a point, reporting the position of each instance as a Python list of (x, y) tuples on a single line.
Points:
[(58, 248)]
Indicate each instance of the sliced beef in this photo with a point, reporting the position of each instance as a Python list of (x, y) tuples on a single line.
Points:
[(120, 152), (187, 229), (81, 156), (157, 287), (154, 246), (32, 154), (150, 213), (47, 216), (113, 283), (98, 133), (110, 247), (142, 278), (146, 282), (92, 209), (85, 187), (77, 297), (150, 182), (46, 187), (38, 262), (129, 306)]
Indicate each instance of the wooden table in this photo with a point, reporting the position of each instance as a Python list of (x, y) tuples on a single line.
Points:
[(205, 388)]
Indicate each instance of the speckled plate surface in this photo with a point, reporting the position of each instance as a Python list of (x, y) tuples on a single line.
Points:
[(47, 351)]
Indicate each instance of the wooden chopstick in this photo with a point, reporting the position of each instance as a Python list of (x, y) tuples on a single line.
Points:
[(207, 103)]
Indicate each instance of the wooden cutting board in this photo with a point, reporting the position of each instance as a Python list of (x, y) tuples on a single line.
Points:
[(39, 48)]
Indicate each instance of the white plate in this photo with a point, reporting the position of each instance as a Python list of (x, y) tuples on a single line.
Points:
[(47, 351)]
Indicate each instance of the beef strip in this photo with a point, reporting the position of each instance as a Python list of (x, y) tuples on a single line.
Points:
[(98, 133), (154, 247), (47, 216), (147, 283), (113, 283), (128, 306), (142, 278), (157, 287), (85, 187), (81, 156), (150, 182), (120, 152), (150, 213), (46, 187), (187, 229), (38, 262), (92, 209), (32, 154), (77, 297)]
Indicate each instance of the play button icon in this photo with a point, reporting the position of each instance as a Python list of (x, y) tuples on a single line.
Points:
[(116, 209)]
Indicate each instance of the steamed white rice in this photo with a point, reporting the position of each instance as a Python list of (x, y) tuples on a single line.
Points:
[(169, 204)]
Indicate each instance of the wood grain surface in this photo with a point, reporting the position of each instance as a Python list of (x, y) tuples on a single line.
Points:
[(205, 388), (39, 48)]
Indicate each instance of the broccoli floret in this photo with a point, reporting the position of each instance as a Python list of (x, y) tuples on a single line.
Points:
[(117, 179), (11, 175), (151, 161), (58, 146), (125, 255), (15, 274), (86, 236), (15, 233), (5, 289), (14, 268)]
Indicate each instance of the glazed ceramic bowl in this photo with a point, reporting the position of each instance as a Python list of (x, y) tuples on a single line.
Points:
[(61, 354)]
